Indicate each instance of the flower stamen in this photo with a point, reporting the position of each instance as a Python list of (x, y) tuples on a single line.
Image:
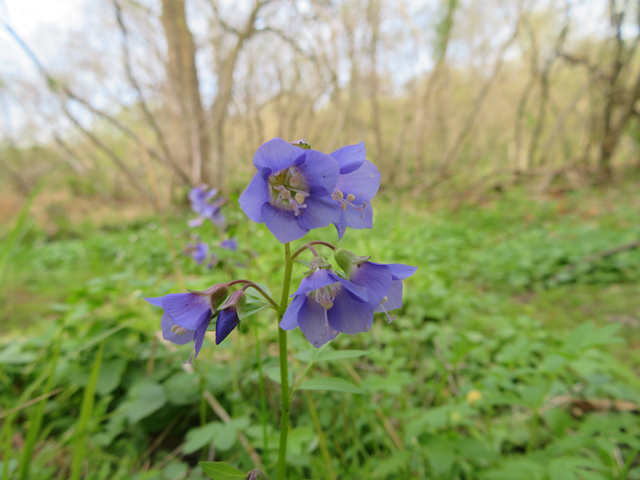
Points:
[(347, 201)]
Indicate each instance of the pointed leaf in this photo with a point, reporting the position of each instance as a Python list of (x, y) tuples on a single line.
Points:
[(331, 384), (222, 471)]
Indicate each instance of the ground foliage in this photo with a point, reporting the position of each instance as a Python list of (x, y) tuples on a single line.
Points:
[(502, 363)]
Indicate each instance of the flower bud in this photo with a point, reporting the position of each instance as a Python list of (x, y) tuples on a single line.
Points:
[(346, 259), (236, 300), (217, 294)]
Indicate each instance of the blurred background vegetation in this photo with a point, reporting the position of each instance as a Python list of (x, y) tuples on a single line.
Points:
[(507, 136)]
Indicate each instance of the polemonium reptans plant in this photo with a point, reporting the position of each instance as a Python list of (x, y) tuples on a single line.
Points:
[(296, 189)]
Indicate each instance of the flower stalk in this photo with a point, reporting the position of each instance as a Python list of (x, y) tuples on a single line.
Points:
[(284, 365)]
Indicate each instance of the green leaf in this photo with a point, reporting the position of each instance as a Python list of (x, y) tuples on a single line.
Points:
[(251, 308), (553, 363), (222, 471), (441, 457), (340, 354), (201, 436), (319, 355), (229, 433), (145, 398), (274, 374), (182, 389), (110, 375), (330, 384), (252, 292), (12, 355)]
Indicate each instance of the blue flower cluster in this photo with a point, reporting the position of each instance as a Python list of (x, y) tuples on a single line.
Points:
[(326, 303), (207, 205), (297, 189)]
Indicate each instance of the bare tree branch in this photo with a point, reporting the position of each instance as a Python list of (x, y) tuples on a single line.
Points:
[(143, 105)]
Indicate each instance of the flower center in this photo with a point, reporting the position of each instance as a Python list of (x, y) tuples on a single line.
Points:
[(347, 201), (288, 190), (324, 296)]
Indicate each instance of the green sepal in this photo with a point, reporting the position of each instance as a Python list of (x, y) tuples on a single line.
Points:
[(319, 262), (301, 143), (237, 299), (346, 259)]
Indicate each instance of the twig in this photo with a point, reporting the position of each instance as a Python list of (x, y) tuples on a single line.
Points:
[(143, 104), (224, 416), (599, 256), (29, 403)]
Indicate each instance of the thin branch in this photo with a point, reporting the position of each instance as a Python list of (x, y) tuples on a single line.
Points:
[(143, 105), (63, 90), (452, 153)]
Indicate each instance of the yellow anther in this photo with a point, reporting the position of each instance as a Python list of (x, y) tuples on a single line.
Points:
[(299, 198), (344, 206), (326, 304), (351, 197), (384, 300), (339, 194), (179, 330), (174, 328), (294, 181)]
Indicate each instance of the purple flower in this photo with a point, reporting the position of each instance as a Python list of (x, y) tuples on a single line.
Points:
[(187, 315), (291, 193), (393, 298), (227, 321), (383, 282), (203, 203), (230, 244), (325, 305), (198, 251), (358, 183)]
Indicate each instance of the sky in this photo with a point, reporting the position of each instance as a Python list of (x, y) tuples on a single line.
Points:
[(47, 25)]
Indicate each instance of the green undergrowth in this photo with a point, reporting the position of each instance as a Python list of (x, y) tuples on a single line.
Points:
[(504, 362)]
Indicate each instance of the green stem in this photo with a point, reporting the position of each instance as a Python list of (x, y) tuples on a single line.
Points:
[(284, 365), (263, 401)]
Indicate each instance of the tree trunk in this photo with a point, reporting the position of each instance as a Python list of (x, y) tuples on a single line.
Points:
[(183, 78)]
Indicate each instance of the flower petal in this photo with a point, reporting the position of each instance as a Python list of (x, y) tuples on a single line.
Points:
[(290, 318), (340, 230), (375, 278), (399, 271), (276, 154), (198, 339), (321, 172), (363, 183), (155, 301), (320, 212), (197, 194), (255, 195), (282, 224), (394, 297), (227, 321), (311, 322), (196, 222), (359, 292), (188, 310), (350, 157), (318, 279), (348, 314), (166, 324), (355, 219)]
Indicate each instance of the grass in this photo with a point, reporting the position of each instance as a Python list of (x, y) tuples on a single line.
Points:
[(486, 311)]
